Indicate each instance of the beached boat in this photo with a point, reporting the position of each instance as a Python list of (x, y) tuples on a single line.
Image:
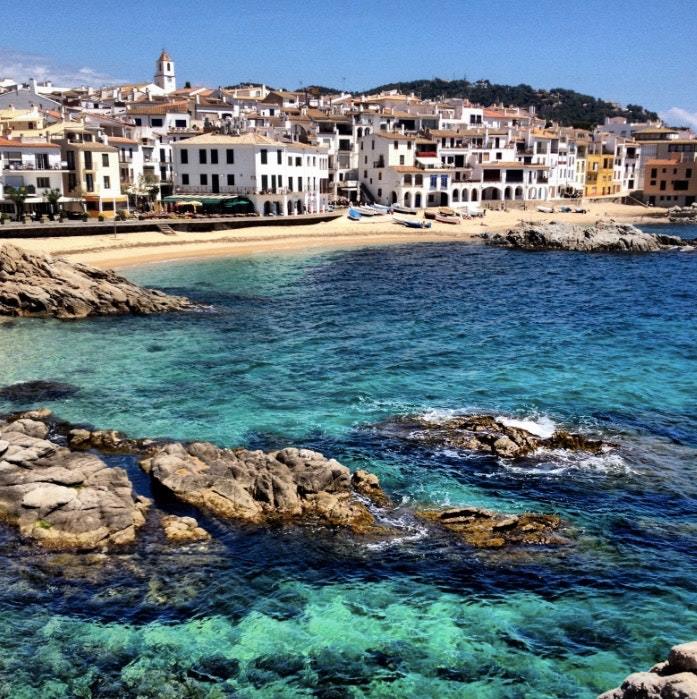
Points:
[(412, 223), (447, 219), (545, 209), (354, 215), (403, 210), (366, 211), (381, 209)]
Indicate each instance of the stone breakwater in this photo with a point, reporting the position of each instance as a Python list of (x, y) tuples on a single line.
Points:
[(34, 285), (601, 237), (59, 492), (675, 678)]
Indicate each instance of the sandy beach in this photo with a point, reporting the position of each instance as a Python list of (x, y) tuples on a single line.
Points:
[(129, 249)]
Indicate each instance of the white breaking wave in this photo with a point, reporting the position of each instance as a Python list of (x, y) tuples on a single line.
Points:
[(543, 427)]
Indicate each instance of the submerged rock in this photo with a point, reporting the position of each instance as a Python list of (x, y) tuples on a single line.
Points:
[(676, 678), (253, 486), (60, 498), (42, 286), (486, 529), (492, 435), (601, 237), (36, 391), (182, 529)]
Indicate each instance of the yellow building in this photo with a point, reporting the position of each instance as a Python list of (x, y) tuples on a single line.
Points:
[(600, 172)]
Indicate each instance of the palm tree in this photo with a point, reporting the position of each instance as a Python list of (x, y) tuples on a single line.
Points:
[(18, 196), (53, 196)]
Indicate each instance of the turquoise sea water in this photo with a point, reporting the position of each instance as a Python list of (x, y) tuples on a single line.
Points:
[(320, 351)]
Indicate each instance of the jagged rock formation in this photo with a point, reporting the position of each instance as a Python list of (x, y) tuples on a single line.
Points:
[(252, 486), (601, 237), (60, 498), (675, 678), (684, 214), (486, 529), (490, 435), (42, 286), (181, 530)]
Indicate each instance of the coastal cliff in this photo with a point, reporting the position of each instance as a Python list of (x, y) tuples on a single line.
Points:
[(43, 286), (601, 237)]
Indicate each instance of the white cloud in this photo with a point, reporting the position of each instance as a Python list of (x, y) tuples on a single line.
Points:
[(22, 66), (676, 116)]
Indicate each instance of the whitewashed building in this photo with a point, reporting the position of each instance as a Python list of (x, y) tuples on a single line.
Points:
[(278, 178)]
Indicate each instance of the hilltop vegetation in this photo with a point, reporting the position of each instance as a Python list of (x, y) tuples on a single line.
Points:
[(567, 107)]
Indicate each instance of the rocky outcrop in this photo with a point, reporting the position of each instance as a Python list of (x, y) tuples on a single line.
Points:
[(42, 286), (601, 237), (59, 498), (683, 214), (676, 678), (486, 529), (182, 530), (492, 435), (257, 487)]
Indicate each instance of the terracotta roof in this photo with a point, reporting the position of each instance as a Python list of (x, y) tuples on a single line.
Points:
[(158, 108), (96, 147), (408, 168), (120, 139), (11, 143)]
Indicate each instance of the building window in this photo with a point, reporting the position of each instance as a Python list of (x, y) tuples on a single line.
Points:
[(156, 122), (264, 182), (279, 157), (230, 180), (379, 192), (300, 184), (290, 184), (184, 157), (290, 161), (401, 160), (43, 182), (72, 181), (105, 159), (202, 156), (107, 182), (185, 178), (230, 156), (688, 173), (214, 156), (663, 185), (180, 123), (162, 155), (88, 160), (264, 156), (89, 183), (204, 179), (298, 162)]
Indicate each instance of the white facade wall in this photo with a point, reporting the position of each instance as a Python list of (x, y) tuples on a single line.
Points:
[(278, 172)]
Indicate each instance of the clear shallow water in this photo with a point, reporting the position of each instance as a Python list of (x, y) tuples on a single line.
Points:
[(318, 351)]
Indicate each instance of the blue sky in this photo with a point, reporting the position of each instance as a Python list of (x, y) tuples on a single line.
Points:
[(641, 52)]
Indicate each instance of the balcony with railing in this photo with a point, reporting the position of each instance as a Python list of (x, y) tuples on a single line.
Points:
[(207, 190), (30, 166)]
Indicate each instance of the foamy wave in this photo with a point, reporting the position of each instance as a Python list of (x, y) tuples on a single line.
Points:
[(543, 427), (558, 462), (413, 531)]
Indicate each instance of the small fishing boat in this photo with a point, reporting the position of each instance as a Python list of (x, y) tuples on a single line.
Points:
[(366, 211), (545, 209), (381, 209), (447, 219), (354, 214), (403, 210), (412, 223)]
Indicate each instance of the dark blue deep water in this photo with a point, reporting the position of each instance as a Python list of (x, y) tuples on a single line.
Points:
[(320, 351)]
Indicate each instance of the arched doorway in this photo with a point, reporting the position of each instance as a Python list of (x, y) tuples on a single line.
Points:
[(508, 193), (491, 194), (267, 208), (531, 193), (290, 207), (518, 193), (278, 208), (456, 195), (407, 199), (393, 198), (475, 195), (465, 195), (417, 200), (443, 198)]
